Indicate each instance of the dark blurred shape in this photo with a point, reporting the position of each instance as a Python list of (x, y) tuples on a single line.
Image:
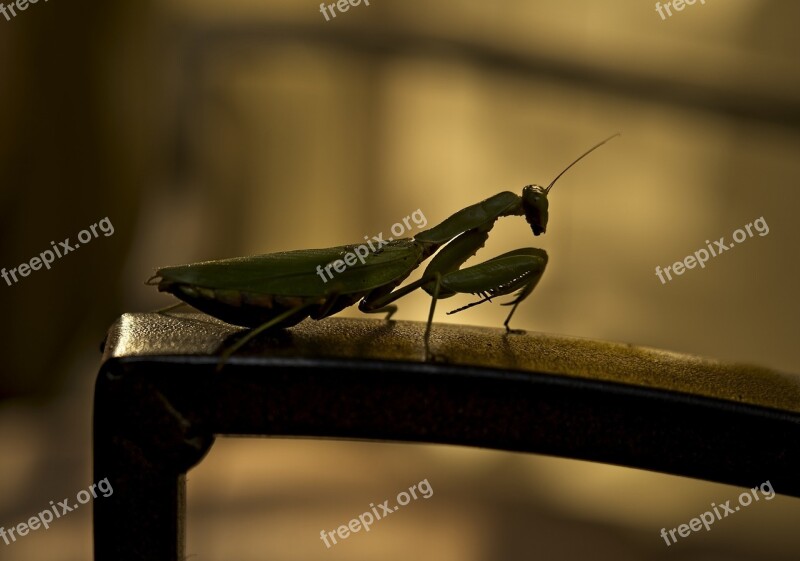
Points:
[(68, 157)]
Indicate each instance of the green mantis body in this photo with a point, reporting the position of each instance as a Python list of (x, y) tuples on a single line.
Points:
[(278, 290)]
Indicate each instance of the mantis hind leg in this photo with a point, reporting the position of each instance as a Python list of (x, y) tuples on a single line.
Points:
[(381, 300), (329, 305), (372, 303), (388, 310), (166, 309), (226, 354)]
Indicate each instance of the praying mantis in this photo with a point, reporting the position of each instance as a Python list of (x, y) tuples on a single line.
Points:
[(278, 290)]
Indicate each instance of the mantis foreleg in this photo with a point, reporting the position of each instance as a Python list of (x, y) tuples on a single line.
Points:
[(520, 269), (455, 254)]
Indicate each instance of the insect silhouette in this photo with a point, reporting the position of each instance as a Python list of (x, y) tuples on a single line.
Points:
[(278, 290)]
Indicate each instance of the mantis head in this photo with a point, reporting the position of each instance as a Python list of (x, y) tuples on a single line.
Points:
[(534, 204), (534, 197)]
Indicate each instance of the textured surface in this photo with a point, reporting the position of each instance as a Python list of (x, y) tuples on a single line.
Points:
[(367, 339)]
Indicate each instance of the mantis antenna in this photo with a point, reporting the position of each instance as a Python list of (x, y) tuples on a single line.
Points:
[(589, 151)]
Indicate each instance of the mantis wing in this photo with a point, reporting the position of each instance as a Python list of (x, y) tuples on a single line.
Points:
[(301, 272)]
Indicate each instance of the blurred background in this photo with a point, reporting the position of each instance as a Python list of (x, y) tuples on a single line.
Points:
[(209, 129)]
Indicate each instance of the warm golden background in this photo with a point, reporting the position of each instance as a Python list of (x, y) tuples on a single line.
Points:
[(207, 129)]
